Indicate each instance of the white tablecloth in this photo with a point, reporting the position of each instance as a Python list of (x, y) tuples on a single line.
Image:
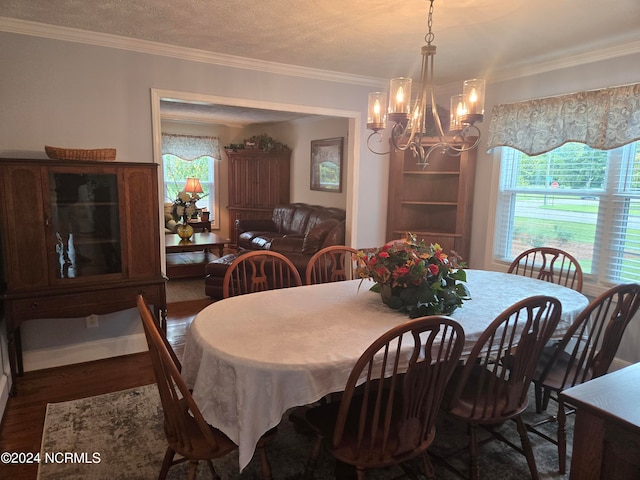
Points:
[(252, 357)]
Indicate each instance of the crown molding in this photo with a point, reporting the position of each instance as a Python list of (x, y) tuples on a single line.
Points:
[(24, 27), (67, 34), (630, 48)]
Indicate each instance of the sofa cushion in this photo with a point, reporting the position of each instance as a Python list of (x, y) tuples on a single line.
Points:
[(336, 236), (287, 244), (300, 219), (282, 217), (322, 214), (257, 240), (315, 237)]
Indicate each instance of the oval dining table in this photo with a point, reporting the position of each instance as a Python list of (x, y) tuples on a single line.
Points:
[(252, 357)]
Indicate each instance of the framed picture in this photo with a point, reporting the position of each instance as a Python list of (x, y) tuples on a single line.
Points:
[(326, 165)]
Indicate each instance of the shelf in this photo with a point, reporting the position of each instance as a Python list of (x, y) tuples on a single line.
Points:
[(409, 202), (429, 172)]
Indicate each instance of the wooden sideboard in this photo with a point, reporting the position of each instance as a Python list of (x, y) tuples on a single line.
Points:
[(606, 436), (78, 239)]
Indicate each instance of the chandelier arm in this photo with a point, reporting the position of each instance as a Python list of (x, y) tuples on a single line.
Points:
[(379, 141), (463, 138), (434, 106), (400, 131), (423, 161)]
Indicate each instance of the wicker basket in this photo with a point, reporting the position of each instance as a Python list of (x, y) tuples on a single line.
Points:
[(92, 155)]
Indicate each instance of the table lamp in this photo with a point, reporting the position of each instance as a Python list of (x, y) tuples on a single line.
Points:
[(193, 186)]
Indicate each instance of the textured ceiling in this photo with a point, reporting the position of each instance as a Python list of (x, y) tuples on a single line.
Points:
[(375, 38), (372, 38)]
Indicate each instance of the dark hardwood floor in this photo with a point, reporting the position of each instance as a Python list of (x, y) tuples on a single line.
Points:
[(21, 427)]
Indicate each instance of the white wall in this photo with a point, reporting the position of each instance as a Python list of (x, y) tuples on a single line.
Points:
[(299, 135)]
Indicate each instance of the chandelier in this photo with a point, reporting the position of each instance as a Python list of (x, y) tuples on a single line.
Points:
[(410, 121)]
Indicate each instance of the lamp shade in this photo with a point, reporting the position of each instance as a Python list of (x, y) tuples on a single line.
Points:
[(400, 96), (473, 92), (192, 186), (377, 111), (457, 112)]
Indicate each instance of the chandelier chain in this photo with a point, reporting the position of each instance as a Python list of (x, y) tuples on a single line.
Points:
[(429, 36)]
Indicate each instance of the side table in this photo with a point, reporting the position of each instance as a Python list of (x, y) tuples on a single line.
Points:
[(198, 225), (606, 437), (188, 258)]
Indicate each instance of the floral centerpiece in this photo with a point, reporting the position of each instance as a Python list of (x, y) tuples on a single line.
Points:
[(184, 206), (415, 278)]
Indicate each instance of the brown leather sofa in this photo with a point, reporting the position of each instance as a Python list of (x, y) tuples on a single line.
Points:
[(296, 230)]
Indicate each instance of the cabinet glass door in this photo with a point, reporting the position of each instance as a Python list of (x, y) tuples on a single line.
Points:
[(86, 226)]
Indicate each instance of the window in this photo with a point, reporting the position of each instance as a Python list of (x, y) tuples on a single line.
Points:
[(582, 200), (186, 156)]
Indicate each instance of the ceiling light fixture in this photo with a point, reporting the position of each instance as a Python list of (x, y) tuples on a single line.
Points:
[(409, 127)]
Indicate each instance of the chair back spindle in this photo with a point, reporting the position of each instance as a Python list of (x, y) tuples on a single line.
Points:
[(388, 409), (335, 263), (549, 264), (492, 387), (258, 271), (588, 348), (186, 431), (586, 351)]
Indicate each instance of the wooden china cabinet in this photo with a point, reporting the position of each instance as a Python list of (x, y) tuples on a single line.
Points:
[(78, 239), (434, 203), (258, 181)]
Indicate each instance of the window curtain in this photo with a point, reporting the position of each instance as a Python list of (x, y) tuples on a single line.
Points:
[(602, 119), (190, 147)]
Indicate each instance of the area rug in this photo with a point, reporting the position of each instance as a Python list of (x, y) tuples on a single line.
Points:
[(185, 289), (119, 436)]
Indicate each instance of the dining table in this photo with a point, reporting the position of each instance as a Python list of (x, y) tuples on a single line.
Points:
[(251, 358)]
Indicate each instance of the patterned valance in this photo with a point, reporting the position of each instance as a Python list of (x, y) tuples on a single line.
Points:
[(602, 119), (190, 147)]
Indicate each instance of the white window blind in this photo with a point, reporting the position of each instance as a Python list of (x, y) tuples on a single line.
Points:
[(582, 200)]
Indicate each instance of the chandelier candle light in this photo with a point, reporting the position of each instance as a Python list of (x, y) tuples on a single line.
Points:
[(409, 121)]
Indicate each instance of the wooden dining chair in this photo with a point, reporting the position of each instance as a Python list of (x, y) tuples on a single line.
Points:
[(585, 352), (187, 433), (549, 264), (492, 386), (390, 417), (258, 271), (334, 263)]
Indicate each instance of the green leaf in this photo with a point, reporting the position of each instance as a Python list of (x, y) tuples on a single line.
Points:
[(459, 275)]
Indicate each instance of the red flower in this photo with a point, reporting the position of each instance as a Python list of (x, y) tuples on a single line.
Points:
[(400, 271), (433, 269), (384, 254)]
